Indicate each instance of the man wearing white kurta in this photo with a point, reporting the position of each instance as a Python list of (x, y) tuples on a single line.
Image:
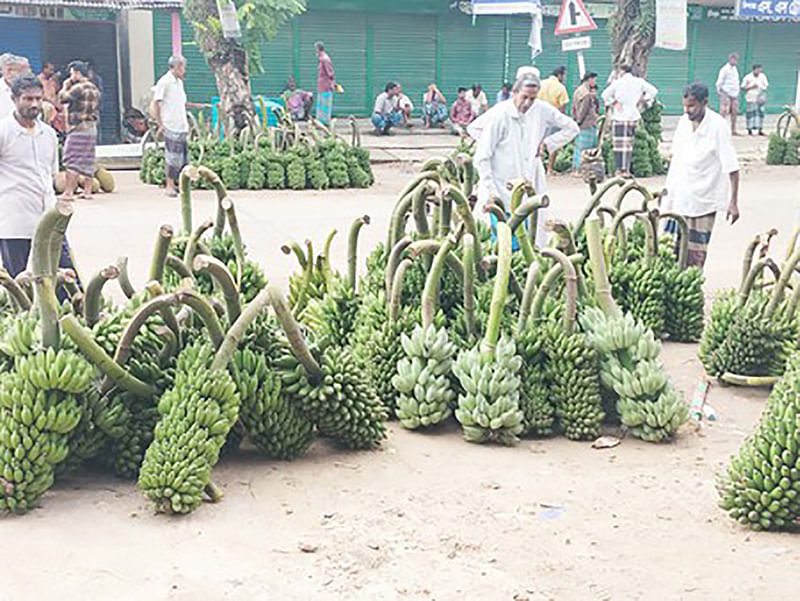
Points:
[(703, 175), (510, 136), (28, 164), (728, 90)]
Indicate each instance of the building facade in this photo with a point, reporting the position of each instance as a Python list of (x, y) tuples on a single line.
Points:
[(418, 43)]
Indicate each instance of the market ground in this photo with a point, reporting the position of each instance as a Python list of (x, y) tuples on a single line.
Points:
[(428, 516)]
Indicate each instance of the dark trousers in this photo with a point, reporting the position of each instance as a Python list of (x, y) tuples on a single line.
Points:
[(15, 252)]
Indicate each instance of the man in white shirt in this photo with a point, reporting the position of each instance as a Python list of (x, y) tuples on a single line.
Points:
[(477, 99), (703, 175), (385, 114), (624, 96), (169, 108), (11, 66), (728, 90), (755, 85), (510, 136), (28, 164)]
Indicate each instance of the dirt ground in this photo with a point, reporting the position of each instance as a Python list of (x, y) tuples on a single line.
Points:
[(428, 516)]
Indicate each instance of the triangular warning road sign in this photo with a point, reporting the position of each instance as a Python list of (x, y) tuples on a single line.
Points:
[(574, 18)]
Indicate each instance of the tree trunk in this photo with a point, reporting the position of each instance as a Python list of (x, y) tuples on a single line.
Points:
[(227, 60), (633, 34)]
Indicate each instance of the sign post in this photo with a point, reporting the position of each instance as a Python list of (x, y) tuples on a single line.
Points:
[(574, 18)]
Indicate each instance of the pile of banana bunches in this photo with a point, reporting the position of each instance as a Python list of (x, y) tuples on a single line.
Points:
[(751, 339), (445, 324)]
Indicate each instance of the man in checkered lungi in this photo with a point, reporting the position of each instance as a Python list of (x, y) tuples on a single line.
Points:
[(703, 175), (624, 96)]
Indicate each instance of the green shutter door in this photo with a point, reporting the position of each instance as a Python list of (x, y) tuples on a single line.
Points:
[(668, 70), (344, 36), (277, 65), (776, 46), (199, 83), (471, 54), (715, 41), (404, 50)]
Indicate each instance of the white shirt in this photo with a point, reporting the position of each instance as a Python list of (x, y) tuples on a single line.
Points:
[(698, 181), (728, 80), (508, 146), (385, 104), (625, 94), (6, 103), (28, 163), (477, 102), (169, 91), (404, 102), (760, 82)]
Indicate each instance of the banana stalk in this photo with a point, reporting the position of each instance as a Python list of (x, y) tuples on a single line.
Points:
[(124, 277), (98, 357), (54, 219), (15, 291), (327, 271), (175, 264), (193, 242), (602, 287), (397, 288), (750, 381), (160, 253), (683, 241), (469, 284), (499, 293), (527, 297), (780, 287), (465, 213), (94, 294), (395, 256), (352, 248), (632, 186), (293, 334), (749, 283), (238, 245), (238, 330), (594, 202), (430, 294), (188, 175), (223, 278), (207, 314)]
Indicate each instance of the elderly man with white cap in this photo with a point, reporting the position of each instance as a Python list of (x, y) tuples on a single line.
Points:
[(10, 66), (510, 137)]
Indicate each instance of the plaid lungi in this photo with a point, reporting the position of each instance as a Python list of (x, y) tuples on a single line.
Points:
[(586, 139), (699, 236), (79, 149), (755, 116), (622, 142), (176, 153), (324, 107)]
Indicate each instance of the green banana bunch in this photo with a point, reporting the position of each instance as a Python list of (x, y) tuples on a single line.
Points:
[(273, 423), (377, 346), (639, 288), (489, 408), (342, 404), (424, 389), (721, 318), (372, 283), (333, 317), (684, 304), (196, 415), (536, 403), (572, 367), (632, 377), (40, 406), (761, 487), (19, 336), (253, 279)]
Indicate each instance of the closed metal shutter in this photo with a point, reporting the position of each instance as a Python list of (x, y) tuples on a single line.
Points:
[(404, 50), (22, 37), (715, 41), (776, 46), (471, 54), (344, 35), (276, 59), (65, 41), (199, 84), (668, 70)]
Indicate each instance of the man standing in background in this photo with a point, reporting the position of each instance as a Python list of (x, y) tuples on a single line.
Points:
[(624, 97), (585, 110), (169, 102), (554, 93), (49, 82), (11, 66), (326, 85), (755, 86), (703, 175), (28, 164), (80, 99), (728, 90)]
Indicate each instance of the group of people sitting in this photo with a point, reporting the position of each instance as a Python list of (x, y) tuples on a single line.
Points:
[(393, 108)]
